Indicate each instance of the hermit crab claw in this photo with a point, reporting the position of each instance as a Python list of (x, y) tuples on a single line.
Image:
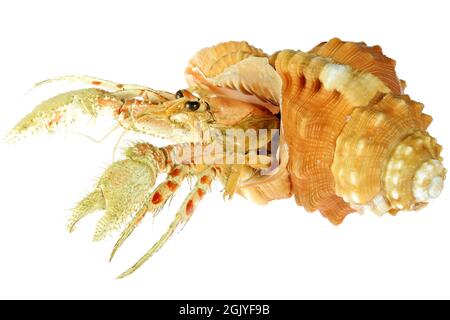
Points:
[(121, 191), (102, 97), (62, 109)]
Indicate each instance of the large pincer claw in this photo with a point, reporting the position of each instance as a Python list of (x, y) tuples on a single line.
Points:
[(122, 190)]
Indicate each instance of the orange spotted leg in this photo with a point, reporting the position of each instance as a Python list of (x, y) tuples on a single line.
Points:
[(159, 197), (183, 215)]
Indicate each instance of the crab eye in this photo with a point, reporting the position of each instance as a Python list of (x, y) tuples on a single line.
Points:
[(192, 105), (179, 94)]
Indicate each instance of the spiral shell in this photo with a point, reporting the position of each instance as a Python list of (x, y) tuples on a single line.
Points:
[(353, 139)]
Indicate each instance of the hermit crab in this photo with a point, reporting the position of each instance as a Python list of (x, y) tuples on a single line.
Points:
[(330, 126)]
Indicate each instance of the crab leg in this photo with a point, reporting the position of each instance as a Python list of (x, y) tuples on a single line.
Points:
[(182, 217), (158, 198)]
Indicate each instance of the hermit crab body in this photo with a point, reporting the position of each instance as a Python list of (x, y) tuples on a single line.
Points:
[(331, 127)]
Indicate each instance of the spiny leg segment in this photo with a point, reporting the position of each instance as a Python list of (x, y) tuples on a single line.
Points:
[(183, 215), (157, 199)]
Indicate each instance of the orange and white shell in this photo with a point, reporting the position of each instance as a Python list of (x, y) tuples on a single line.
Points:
[(350, 138)]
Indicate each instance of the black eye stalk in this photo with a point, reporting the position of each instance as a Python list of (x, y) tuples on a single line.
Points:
[(192, 105), (179, 94)]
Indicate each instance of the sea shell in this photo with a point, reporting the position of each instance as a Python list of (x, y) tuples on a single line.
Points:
[(351, 138)]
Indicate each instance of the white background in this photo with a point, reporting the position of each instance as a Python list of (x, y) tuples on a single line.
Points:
[(232, 249)]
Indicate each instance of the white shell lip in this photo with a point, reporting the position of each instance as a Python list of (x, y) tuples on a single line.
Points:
[(428, 181)]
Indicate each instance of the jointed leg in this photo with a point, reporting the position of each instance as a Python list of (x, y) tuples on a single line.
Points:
[(157, 199), (182, 216)]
